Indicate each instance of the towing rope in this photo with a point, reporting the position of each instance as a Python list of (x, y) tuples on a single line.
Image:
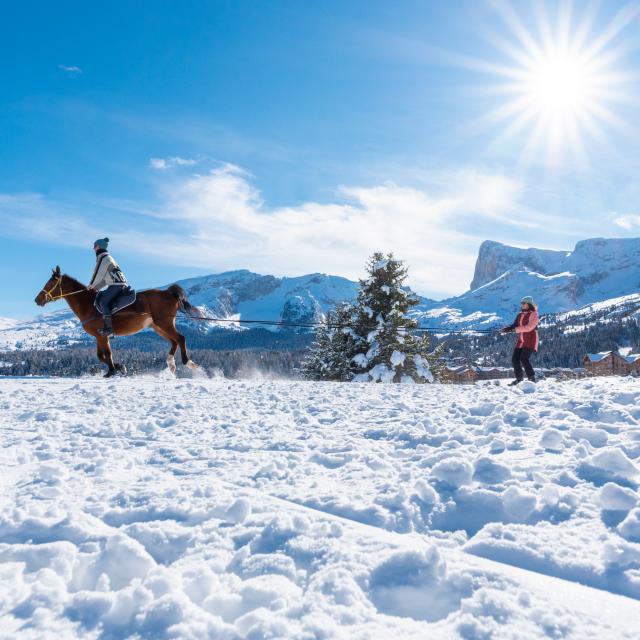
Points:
[(316, 325)]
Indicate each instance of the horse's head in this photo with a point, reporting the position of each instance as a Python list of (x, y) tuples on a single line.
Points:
[(52, 288)]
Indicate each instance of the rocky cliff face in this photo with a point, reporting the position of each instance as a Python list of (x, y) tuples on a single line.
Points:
[(597, 269), (495, 258)]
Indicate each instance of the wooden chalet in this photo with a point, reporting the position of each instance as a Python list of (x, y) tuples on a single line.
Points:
[(611, 363)]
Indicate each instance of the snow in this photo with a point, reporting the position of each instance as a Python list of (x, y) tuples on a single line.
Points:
[(154, 508), (454, 472), (598, 357), (7, 323), (613, 464), (48, 331), (397, 358), (613, 497), (422, 368), (552, 440), (629, 528)]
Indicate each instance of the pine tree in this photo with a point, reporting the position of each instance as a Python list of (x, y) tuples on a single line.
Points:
[(330, 357), (389, 348), (373, 339)]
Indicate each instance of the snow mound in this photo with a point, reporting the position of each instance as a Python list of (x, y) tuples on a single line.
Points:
[(518, 504), (629, 528), (552, 440), (454, 472), (616, 498), (488, 471), (611, 464)]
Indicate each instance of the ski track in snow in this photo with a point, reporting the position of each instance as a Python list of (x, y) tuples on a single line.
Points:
[(149, 507)]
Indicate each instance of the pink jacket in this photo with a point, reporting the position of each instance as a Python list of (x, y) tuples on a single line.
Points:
[(525, 327)]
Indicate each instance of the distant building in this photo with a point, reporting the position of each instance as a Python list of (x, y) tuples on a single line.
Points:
[(611, 363), (493, 373), (464, 374), (469, 373)]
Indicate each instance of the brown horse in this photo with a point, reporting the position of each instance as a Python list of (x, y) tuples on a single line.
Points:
[(153, 308)]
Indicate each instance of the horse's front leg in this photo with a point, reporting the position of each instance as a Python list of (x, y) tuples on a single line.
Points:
[(104, 354)]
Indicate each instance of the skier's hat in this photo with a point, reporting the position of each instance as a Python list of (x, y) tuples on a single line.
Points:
[(528, 300)]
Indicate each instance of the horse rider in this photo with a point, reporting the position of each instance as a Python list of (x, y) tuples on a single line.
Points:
[(107, 274)]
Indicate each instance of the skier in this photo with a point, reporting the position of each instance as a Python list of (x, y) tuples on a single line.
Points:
[(107, 274), (525, 326)]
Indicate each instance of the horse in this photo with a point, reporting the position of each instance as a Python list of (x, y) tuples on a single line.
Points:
[(153, 308)]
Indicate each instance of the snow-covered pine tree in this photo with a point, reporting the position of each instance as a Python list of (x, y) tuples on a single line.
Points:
[(330, 357), (388, 349)]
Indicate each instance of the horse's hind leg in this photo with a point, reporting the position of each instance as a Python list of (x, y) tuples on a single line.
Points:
[(170, 330), (171, 359), (186, 360)]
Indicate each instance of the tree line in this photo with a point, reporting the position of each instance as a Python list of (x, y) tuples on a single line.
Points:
[(79, 361)]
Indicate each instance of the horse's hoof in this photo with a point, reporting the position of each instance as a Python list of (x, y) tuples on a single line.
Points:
[(192, 365), (121, 369), (109, 374)]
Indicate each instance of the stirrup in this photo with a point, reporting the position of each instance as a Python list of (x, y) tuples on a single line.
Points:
[(107, 329)]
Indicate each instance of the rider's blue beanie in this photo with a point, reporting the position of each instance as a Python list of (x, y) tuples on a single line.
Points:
[(101, 243)]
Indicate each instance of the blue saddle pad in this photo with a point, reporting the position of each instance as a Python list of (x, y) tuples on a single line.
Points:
[(126, 298)]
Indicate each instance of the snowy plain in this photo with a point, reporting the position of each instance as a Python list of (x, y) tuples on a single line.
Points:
[(206, 508)]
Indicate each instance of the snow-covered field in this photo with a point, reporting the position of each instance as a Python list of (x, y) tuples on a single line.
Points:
[(153, 508)]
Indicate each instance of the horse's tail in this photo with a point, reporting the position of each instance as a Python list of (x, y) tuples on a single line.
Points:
[(183, 303)]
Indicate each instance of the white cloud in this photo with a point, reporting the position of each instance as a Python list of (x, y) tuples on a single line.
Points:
[(628, 222), (224, 223), (70, 70), (167, 163), (218, 220)]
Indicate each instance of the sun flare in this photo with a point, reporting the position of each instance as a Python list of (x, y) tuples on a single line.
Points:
[(560, 84)]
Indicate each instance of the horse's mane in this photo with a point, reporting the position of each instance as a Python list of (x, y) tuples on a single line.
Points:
[(75, 282)]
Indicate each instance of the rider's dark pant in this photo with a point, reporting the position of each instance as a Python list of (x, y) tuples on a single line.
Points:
[(106, 298), (521, 358)]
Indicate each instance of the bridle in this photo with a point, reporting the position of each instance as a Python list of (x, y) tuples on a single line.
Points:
[(49, 297)]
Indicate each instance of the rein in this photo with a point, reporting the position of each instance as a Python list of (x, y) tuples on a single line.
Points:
[(49, 294)]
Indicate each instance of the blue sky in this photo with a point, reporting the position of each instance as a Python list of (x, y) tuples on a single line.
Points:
[(288, 137)]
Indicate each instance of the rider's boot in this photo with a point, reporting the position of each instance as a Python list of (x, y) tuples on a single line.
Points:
[(107, 329)]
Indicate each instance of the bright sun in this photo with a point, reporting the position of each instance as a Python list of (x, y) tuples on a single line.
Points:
[(561, 84)]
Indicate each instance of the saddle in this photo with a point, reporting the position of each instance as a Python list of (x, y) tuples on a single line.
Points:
[(125, 299)]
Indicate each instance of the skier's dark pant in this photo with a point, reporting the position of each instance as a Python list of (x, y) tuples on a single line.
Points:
[(107, 297), (521, 358)]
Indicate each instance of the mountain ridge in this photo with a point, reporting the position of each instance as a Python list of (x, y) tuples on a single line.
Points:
[(596, 270)]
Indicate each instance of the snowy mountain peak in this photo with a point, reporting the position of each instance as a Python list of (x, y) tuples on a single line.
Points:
[(596, 270), (247, 295), (495, 258), (595, 257), (7, 323)]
